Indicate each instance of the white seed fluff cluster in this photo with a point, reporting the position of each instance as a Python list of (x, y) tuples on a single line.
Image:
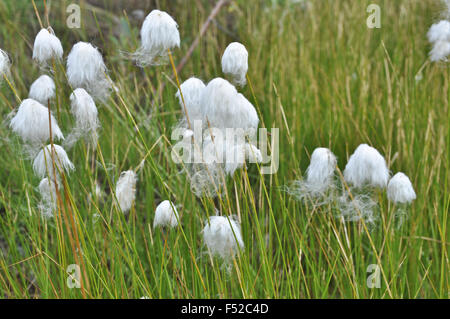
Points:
[(42, 90), (166, 214), (439, 37), (400, 189), (222, 236), (226, 119), (84, 110), (48, 203), (235, 63), (47, 47), (126, 190), (5, 63), (43, 163), (192, 90), (224, 107), (358, 207), (159, 33), (366, 167), (31, 122), (86, 69), (319, 177)]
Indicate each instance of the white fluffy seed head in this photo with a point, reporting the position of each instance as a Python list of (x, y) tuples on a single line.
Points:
[(246, 116), (166, 214), (126, 190), (84, 110), (235, 63), (42, 90), (192, 90), (439, 37), (320, 172), (159, 33), (400, 189), (48, 201), (439, 31), (224, 107), (86, 69), (223, 236), (440, 51), (31, 122), (366, 167), (218, 102), (43, 163), (47, 47), (5, 64)]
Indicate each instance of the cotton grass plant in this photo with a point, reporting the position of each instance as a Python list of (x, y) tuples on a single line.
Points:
[(355, 86)]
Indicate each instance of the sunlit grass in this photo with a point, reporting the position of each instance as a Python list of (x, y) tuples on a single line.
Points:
[(319, 75)]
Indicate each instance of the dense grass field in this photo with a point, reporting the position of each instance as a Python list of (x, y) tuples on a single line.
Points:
[(318, 73)]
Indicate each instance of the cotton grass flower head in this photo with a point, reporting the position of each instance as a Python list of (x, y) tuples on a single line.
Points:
[(159, 33), (47, 47), (43, 163), (31, 122), (166, 214), (320, 172), (84, 110), (48, 203), (366, 167), (400, 189), (86, 69), (126, 190), (319, 178), (224, 107), (439, 37), (235, 63), (42, 90), (192, 90), (440, 51), (5, 64), (222, 235)]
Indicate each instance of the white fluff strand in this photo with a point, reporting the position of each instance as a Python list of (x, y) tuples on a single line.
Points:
[(166, 214), (42, 90), (159, 33), (359, 207), (48, 203), (222, 235), (235, 63), (126, 190)]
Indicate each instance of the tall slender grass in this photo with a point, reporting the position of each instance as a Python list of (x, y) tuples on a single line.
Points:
[(317, 73)]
